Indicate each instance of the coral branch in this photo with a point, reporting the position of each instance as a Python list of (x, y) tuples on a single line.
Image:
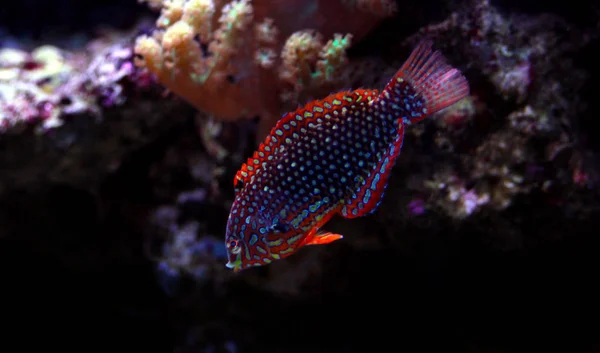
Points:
[(240, 59)]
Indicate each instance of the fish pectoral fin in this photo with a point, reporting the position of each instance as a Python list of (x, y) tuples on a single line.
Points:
[(322, 237)]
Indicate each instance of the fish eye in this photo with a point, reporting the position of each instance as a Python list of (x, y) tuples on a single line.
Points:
[(234, 246)]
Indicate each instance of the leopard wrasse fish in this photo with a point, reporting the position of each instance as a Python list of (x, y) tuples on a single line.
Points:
[(331, 156)]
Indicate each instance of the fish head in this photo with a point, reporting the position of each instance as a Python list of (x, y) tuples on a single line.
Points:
[(246, 238), (256, 239), (234, 240)]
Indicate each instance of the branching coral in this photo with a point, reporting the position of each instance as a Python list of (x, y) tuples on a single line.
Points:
[(239, 59), (308, 64), (200, 64)]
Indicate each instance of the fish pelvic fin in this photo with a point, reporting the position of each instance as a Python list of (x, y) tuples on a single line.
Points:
[(318, 237)]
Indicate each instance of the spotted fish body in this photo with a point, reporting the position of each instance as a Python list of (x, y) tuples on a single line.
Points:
[(332, 156)]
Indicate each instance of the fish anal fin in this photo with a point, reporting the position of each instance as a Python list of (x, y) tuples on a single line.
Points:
[(368, 192)]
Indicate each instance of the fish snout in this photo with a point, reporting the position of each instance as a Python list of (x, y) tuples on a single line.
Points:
[(236, 266)]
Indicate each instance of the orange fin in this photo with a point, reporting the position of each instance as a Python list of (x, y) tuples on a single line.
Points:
[(319, 237), (324, 238)]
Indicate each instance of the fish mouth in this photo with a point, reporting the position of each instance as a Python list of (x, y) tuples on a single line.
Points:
[(236, 265)]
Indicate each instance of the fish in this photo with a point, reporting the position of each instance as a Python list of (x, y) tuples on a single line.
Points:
[(332, 156)]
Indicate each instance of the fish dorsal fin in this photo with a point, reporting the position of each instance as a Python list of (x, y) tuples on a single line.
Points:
[(299, 122), (368, 193)]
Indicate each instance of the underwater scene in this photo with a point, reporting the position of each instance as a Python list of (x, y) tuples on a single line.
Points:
[(300, 176)]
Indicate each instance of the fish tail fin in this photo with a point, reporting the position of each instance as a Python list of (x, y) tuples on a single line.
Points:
[(424, 85)]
